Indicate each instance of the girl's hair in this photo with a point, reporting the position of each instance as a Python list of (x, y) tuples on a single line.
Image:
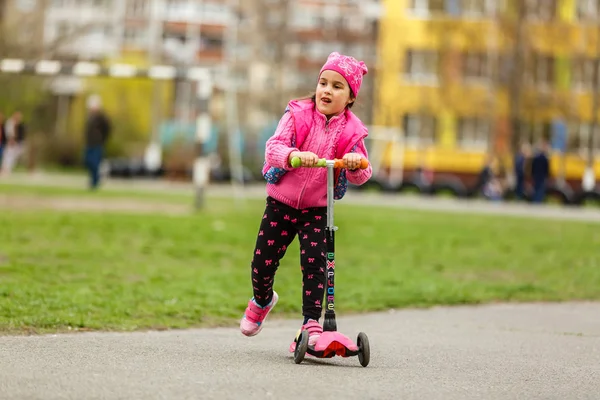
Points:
[(313, 98)]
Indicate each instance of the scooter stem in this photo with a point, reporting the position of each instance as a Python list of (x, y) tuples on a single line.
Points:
[(330, 189), (329, 324)]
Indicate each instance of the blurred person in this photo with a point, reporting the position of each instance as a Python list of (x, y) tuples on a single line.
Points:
[(520, 169), (493, 189), (320, 126), (12, 143), (540, 171), (97, 130), (488, 183)]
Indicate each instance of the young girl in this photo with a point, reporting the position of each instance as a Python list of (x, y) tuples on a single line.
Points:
[(320, 127)]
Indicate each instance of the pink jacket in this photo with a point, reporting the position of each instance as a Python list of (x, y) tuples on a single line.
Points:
[(307, 187)]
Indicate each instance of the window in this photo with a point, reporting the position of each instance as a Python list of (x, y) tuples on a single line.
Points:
[(544, 70), (425, 8), (473, 133), (472, 7), (211, 43), (419, 130), (542, 10), (355, 23), (533, 131), (582, 72), (476, 67), (240, 79), (307, 80), (504, 65), (479, 8), (137, 8), (96, 30), (357, 51), (177, 10), (275, 19), (540, 71), (422, 66), (242, 51), (215, 12), (135, 37), (304, 17), (578, 138), (269, 54), (62, 29), (588, 10), (317, 50)]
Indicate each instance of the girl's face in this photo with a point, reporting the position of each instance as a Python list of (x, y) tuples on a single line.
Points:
[(333, 93)]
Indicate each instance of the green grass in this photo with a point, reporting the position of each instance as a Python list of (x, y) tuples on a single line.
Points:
[(102, 271), (177, 197)]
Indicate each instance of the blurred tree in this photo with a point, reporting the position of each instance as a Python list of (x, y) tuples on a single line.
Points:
[(19, 30), (514, 23), (595, 103), (55, 121)]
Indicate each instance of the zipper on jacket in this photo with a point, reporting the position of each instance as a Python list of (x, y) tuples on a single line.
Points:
[(310, 173)]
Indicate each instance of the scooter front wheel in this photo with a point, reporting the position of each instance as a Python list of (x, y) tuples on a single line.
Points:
[(301, 347), (364, 351)]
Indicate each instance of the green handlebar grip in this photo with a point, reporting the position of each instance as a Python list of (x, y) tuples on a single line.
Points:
[(297, 162)]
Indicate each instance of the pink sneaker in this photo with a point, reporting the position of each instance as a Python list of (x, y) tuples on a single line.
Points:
[(254, 316), (314, 333)]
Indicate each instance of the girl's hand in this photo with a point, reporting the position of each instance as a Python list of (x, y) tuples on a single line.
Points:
[(308, 158), (352, 160)]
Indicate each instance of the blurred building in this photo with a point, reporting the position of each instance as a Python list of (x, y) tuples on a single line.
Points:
[(271, 50), (184, 31), (283, 43), (260, 34), (459, 77)]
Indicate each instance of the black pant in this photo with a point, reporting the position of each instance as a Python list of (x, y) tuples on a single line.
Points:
[(279, 226)]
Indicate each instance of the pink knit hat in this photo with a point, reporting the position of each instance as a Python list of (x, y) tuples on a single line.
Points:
[(349, 67)]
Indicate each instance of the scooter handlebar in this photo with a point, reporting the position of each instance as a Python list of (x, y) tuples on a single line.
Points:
[(338, 163)]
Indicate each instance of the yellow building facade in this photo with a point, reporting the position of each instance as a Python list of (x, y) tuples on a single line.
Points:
[(444, 79)]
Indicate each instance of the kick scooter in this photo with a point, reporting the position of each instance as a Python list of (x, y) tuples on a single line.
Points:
[(331, 342)]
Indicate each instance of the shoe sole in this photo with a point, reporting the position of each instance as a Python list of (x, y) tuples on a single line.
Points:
[(263, 321)]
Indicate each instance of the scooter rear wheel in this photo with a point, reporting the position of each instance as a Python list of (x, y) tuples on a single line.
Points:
[(301, 347), (364, 351)]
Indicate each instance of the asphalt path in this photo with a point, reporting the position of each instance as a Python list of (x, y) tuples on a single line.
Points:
[(502, 351)]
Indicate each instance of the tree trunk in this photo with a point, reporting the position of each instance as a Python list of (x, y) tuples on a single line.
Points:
[(595, 100), (517, 77)]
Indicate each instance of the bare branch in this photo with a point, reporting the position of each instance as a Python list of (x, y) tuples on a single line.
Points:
[(18, 36)]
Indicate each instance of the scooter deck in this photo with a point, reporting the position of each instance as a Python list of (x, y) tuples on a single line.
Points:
[(331, 344)]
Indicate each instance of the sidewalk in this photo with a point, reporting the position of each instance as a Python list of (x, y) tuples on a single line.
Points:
[(497, 351)]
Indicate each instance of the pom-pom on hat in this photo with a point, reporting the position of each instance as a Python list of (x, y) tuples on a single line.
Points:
[(349, 67)]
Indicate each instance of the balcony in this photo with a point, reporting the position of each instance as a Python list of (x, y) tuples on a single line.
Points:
[(210, 29), (82, 14), (210, 55), (213, 13)]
